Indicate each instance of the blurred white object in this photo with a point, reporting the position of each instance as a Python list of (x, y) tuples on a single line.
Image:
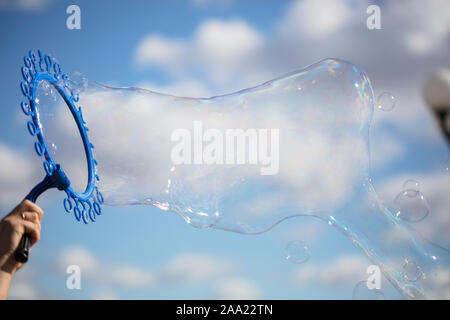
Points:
[(436, 93), (437, 90)]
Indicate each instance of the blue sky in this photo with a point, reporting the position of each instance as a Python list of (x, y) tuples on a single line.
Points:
[(142, 252)]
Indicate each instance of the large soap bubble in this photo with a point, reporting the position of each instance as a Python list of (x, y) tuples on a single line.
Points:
[(243, 162)]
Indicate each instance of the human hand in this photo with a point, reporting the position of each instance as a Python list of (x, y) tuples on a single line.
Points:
[(25, 218)]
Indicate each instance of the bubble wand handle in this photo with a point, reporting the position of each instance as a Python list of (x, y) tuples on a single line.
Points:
[(57, 179)]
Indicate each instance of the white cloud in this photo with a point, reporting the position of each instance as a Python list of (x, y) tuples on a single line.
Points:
[(17, 175), (219, 49), (23, 286), (194, 267), (80, 257), (440, 282), (105, 294), (103, 273), (316, 18), (237, 289), (425, 24), (185, 268), (219, 274), (129, 276), (418, 42), (156, 49), (232, 55), (224, 47), (345, 270), (22, 291)]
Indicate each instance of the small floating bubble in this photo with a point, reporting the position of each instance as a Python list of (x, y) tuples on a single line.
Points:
[(362, 292), (411, 205), (411, 184), (411, 271), (386, 101), (297, 252)]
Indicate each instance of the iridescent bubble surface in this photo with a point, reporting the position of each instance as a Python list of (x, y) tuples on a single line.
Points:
[(244, 162)]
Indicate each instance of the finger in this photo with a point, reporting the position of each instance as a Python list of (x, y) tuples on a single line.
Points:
[(30, 216), (31, 206), (27, 205), (34, 229)]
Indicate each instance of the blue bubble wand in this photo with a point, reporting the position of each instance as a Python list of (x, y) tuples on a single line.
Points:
[(86, 205)]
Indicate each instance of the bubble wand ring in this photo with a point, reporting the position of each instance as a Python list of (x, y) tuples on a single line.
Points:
[(86, 205)]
